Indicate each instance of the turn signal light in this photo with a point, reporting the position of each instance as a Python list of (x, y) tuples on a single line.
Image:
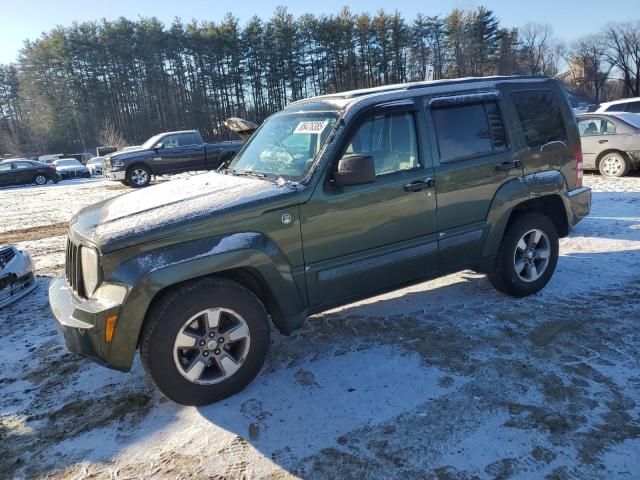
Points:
[(110, 328)]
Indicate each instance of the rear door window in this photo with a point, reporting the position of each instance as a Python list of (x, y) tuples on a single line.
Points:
[(540, 117), (618, 107), (469, 130), (23, 165), (187, 139)]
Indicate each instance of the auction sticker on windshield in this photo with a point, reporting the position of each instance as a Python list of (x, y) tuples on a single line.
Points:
[(311, 126)]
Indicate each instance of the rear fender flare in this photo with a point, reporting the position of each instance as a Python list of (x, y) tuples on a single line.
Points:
[(513, 193)]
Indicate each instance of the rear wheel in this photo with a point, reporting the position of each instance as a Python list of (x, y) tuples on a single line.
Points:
[(40, 179), (205, 341), (138, 176), (613, 165), (527, 256)]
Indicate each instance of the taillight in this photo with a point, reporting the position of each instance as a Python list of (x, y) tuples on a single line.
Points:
[(579, 167), (51, 167)]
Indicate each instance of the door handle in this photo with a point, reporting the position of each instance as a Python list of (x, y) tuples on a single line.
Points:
[(506, 166), (603, 141), (420, 185)]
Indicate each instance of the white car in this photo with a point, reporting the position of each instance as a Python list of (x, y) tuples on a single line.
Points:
[(625, 105), (16, 274), (71, 168), (96, 165)]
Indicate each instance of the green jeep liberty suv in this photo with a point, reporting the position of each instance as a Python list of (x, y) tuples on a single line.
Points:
[(334, 199)]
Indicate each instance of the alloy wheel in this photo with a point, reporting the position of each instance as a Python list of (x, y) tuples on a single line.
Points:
[(41, 180), (139, 176), (532, 254), (211, 346), (612, 166)]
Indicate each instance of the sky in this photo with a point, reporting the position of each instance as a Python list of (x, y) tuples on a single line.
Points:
[(27, 19)]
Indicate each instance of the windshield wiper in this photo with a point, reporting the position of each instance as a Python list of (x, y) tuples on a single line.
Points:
[(251, 173)]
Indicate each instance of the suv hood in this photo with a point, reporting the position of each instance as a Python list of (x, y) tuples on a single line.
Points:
[(171, 208)]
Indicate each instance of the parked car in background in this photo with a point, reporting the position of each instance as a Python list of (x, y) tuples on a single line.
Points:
[(610, 142), (334, 199), (16, 274), (167, 153), (71, 168), (96, 165), (20, 171), (631, 105)]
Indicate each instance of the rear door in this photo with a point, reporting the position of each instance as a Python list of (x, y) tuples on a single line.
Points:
[(193, 151), (25, 171), (474, 156), (363, 238)]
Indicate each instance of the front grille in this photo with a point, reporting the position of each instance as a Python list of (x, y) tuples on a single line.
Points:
[(73, 268), (6, 254)]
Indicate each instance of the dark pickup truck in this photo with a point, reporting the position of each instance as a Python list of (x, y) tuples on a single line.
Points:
[(167, 153)]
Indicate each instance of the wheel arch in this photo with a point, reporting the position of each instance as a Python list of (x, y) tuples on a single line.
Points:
[(248, 258), (141, 163), (542, 191), (602, 154)]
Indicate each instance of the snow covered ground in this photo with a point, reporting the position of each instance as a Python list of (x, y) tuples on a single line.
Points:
[(447, 379)]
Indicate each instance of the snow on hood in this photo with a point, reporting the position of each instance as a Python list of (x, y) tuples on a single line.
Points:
[(123, 221)]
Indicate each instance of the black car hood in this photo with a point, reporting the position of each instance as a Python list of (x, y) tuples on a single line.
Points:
[(126, 153), (170, 208)]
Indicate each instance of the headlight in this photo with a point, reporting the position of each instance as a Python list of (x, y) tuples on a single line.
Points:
[(89, 260), (117, 163)]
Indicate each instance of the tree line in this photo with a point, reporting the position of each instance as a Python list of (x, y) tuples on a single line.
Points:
[(121, 81)]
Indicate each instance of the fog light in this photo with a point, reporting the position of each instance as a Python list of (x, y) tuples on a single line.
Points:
[(110, 328)]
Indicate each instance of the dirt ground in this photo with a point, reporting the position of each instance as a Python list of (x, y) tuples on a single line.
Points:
[(443, 380)]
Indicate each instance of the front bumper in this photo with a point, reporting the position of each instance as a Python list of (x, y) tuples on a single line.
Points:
[(81, 323), (580, 200), (117, 175)]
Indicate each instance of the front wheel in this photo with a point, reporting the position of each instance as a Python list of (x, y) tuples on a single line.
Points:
[(205, 341), (138, 176), (527, 256), (613, 165)]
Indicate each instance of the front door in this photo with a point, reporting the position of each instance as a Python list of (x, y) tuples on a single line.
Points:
[(169, 157), (363, 238)]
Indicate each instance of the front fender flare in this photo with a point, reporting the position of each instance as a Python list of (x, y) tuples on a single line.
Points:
[(151, 272)]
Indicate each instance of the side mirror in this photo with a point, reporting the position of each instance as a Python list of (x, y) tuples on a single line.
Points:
[(158, 146), (355, 170)]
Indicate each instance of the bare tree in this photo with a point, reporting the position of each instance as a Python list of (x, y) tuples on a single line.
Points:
[(589, 66), (623, 42), (108, 135), (539, 50)]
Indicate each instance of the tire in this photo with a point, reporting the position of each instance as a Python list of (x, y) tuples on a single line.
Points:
[(613, 165), (138, 176), (172, 322), (512, 273), (124, 182), (40, 179)]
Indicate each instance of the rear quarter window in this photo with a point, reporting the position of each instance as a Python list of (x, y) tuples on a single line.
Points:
[(540, 117)]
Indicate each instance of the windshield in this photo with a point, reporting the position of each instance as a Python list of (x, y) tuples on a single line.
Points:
[(152, 141), (286, 145)]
